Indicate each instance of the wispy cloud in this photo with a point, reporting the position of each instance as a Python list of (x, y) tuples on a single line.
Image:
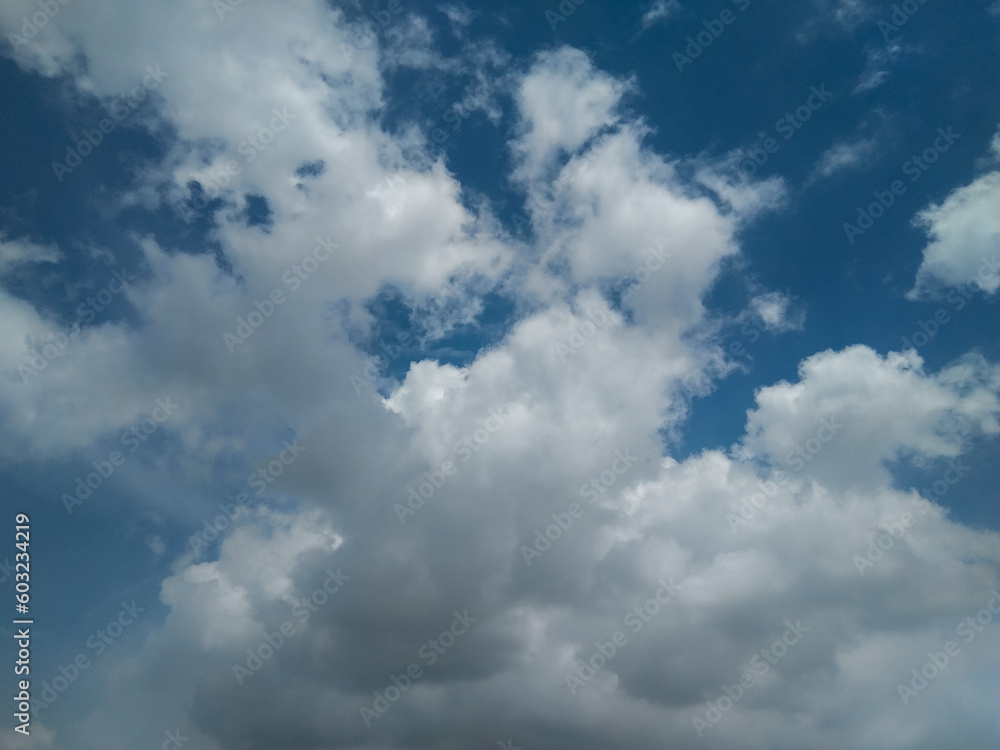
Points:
[(659, 12)]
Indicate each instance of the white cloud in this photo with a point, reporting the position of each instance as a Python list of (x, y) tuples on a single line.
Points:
[(878, 61), (775, 311), (580, 380), (964, 233), (564, 102), (659, 11), (851, 13), (458, 13), (844, 155), (888, 407), (14, 253)]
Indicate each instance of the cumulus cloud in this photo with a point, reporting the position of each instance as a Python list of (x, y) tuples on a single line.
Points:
[(564, 102), (964, 233), (867, 394), (527, 492)]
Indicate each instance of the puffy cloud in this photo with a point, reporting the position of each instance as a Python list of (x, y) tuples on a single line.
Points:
[(563, 101), (964, 231), (535, 491), (773, 311), (859, 410)]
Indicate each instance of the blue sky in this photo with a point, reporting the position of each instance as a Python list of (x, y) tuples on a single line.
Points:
[(488, 251)]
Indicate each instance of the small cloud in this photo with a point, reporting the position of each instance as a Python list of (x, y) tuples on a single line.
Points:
[(834, 16), (459, 15), (871, 79), (15, 253), (843, 156), (963, 235), (737, 189), (854, 153), (876, 70), (850, 13), (774, 310), (410, 43), (661, 10), (156, 544)]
